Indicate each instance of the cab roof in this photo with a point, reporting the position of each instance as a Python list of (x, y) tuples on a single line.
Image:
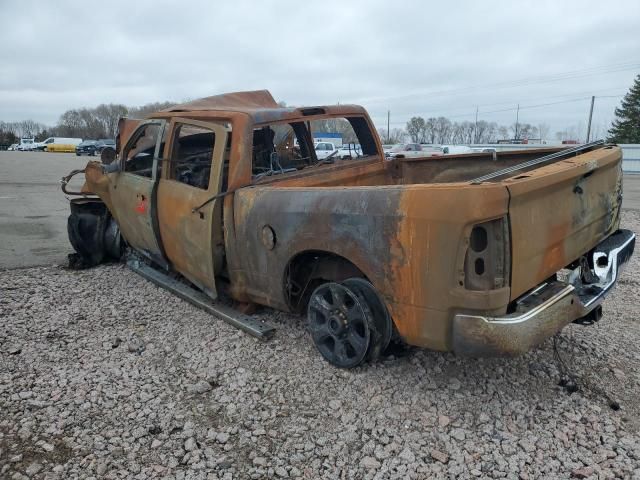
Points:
[(261, 106)]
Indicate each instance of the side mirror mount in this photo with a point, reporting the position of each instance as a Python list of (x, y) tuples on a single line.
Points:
[(111, 168), (107, 156)]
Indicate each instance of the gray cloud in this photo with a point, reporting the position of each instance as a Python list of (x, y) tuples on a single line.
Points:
[(410, 57)]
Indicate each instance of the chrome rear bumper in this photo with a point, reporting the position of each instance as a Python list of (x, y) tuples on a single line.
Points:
[(545, 310)]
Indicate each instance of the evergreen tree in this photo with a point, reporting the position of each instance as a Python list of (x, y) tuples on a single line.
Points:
[(626, 126)]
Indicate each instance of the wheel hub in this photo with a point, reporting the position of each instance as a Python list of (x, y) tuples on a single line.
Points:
[(337, 323)]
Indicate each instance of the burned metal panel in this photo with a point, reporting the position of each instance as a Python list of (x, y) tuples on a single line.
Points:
[(353, 223), (190, 237), (126, 126), (426, 274), (407, 244), (561, 211), (235, 100), (133, 198), (463, 167)]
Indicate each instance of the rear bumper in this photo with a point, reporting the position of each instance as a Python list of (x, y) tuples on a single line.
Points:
[(545, 310)]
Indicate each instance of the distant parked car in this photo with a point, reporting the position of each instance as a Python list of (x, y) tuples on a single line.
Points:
[(411, 150), (105, 143), (87, 147), (324, 150), (13, 147)]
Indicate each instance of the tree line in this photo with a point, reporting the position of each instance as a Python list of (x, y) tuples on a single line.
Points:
[(86, 123), (102, 122), (441, 130)]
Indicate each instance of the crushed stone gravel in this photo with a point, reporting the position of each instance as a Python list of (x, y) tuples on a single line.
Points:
[(104, 375)]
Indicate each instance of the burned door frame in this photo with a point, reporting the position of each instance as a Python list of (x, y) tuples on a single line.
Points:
[(134, 220), (191, 235)]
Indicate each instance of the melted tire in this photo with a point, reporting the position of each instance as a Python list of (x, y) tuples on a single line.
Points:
[(93, 234), (382, 325)]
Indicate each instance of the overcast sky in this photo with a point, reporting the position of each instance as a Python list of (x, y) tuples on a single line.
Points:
[(409, 57)]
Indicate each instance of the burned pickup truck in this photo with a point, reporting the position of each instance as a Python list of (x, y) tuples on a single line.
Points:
[(480, 254)]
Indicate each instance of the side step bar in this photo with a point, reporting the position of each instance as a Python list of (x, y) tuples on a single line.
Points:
[(245, 323)]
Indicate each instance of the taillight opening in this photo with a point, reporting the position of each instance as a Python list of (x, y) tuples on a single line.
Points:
[(487, 260)]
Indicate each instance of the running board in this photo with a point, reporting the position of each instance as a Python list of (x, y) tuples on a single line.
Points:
[(245, 323)]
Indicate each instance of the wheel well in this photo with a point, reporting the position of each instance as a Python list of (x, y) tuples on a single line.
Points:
[(309, 269)]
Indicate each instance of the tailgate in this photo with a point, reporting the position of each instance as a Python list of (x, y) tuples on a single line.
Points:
[(561, 211)]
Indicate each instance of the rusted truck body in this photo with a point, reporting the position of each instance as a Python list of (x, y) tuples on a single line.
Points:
[(480, 254)]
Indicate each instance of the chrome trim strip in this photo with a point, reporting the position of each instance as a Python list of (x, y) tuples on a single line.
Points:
[(523, 317)]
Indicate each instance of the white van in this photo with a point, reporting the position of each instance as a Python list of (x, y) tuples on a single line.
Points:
[(42, 146), (26, 144)]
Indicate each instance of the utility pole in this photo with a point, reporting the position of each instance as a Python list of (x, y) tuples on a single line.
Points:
[(388, 122), (475, 132), (517, 118), (593, 99)]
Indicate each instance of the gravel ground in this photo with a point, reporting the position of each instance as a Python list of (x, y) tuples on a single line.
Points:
[(104, 375)]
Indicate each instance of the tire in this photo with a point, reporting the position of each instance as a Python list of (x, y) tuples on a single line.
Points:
[(382, 324), (340, 323)]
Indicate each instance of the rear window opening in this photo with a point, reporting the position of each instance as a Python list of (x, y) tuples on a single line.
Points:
[(280, 148)]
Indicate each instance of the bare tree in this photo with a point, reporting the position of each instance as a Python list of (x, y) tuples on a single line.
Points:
[(443, 127), (396, 135), (430, 130), (543, 130), (108, 116), (485, 131), (457, 133), (503, 132), (416, 129), (467, 132), (27, 128)]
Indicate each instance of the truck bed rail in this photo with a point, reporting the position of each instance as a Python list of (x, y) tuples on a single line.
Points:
[(538, 161)]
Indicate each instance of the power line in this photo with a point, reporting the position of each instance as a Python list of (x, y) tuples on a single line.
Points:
[(511, 109), (515, 101), (570, 75)]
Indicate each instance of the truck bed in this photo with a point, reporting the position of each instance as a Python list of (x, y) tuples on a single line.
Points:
[(557, 211), (414, 171)]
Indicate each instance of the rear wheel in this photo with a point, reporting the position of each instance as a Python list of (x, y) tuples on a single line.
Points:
[(382, 326), (340, 322)]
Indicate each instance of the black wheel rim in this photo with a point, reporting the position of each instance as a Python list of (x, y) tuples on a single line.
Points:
[(339, 325), (381, 329)]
